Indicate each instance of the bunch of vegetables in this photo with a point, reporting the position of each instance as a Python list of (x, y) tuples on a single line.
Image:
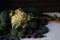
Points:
[(27, 23)]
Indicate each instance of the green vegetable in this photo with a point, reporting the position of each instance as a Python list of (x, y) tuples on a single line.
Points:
[(16, 24), (11, 13), (33, 25), (21, 34), (14, 32), (43, 21)]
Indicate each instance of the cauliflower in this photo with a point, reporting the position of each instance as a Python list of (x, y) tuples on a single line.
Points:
[(18, 15), (19, 18)]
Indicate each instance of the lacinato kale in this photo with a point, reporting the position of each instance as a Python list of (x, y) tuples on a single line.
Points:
[(5, 24)]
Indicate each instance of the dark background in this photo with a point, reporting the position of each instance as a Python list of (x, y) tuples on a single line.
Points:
[(42, 5)]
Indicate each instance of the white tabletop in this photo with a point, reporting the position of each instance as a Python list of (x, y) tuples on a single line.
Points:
[(53, 34)]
